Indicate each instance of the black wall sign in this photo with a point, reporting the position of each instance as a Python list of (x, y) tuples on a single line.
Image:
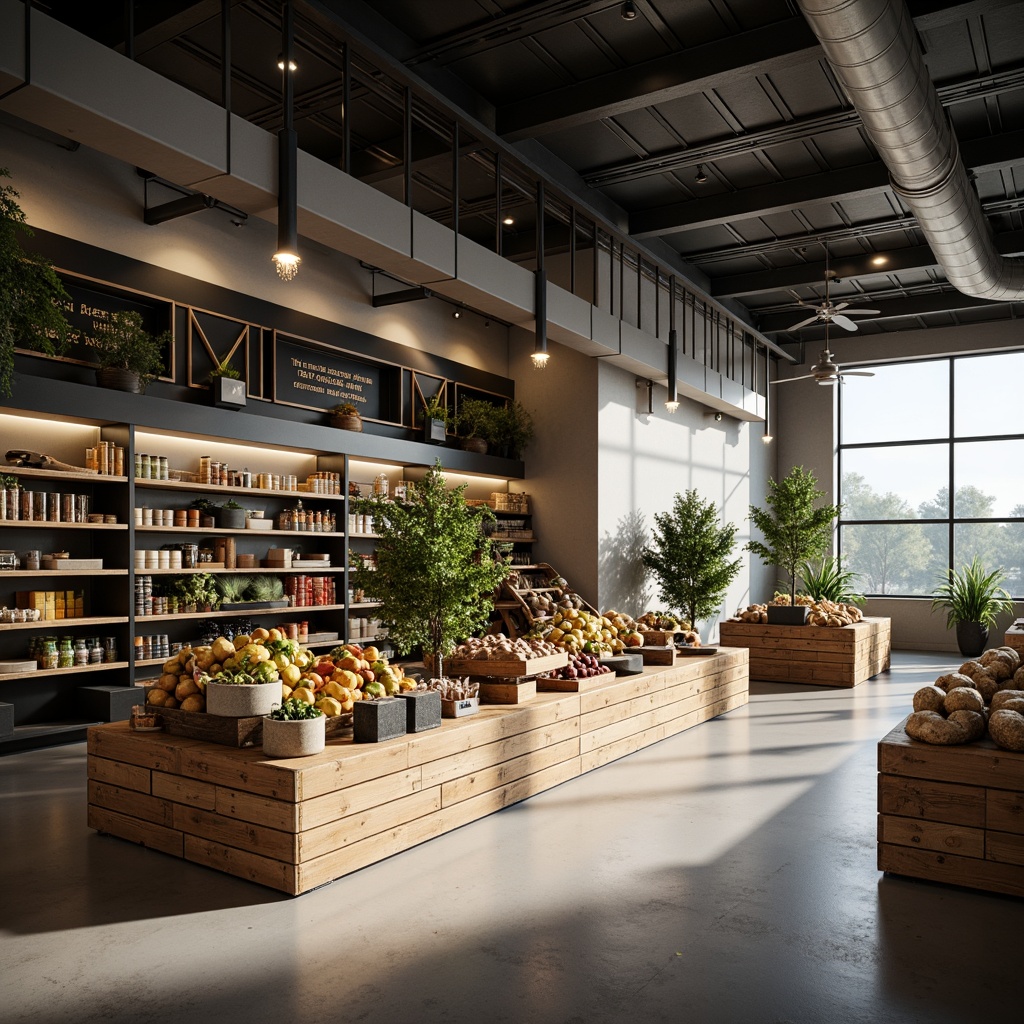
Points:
[(321, 378)]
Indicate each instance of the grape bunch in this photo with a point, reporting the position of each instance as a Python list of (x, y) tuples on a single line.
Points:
[(581, 666)]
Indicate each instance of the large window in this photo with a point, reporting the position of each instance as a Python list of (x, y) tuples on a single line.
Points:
[(931, 456)]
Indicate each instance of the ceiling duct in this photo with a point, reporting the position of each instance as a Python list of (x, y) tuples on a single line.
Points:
[(873, 49)]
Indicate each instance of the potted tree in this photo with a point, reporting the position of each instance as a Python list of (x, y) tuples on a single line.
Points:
[(473, 424), (345, 416), (294, 729), (31, 293), (129, 356), (795, 530), (971, 599), (689, 557), (227, 389), (435, 572), (435, 420)]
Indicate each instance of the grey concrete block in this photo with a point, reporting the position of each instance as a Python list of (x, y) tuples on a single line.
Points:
[(422, 710), (377, 720)]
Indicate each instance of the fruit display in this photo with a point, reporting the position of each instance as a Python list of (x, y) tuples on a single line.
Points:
[(666, 622), (545, 597), (578, 631), (820, 613), (498, 647), (986, 694), (581, 666), (350, 672)]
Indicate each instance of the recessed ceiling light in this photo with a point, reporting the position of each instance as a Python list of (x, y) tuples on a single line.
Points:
[(700, 176), (879, 261), (508, 221), (292, 66), (628, 11)]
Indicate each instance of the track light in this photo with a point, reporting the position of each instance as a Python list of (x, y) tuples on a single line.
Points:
[(457, 314), (700, 177), (628, 11), (292, 66)]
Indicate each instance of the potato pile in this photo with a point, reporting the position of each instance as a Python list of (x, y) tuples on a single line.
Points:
[(752, 613), (664, 621), (177, 687), (987, 693), (821, 613), (498, 647)]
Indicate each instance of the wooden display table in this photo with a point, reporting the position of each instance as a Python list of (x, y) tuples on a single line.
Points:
[(820, 655), (1014, 637), (951, 814), (296, 824)]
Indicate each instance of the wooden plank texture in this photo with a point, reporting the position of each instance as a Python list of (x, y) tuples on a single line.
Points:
[(135, 830), (931, 835), (942, 867)]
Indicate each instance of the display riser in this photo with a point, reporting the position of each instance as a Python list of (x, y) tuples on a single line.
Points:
[(951, 814), (294, 825)]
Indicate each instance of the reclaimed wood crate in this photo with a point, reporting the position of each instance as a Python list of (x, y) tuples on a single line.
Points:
[(296, 824), (513, 667), (553, 684), (655, 655), (951, 814), (507, 691), (228, 732), (1014, 637), (843, 656)]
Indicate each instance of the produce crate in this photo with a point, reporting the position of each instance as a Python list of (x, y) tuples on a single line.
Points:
[(511, 692), (512, 667), (660, 637), (552, 684), (654, 655), (229, 732)]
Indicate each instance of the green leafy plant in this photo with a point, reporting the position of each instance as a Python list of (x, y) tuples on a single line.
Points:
[(689, 556), (205, 505), (435, 573), (795, 530), (435, 409), (510, 427), (474, 418), (831, 581), (294, 710), (232, 588), (198, 588), (224, 369), (265, 588), (31, 294), (7, 481), (231, 503), (122, 343), (970, 594), (344, 409)]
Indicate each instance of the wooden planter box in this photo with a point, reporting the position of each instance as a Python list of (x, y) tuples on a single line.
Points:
[(295, 825), (840, 656), (951, 814)]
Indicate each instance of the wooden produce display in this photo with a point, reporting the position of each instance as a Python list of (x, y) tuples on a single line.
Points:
[(1014, 636), (951, 814), (296, 824), (820, 655)]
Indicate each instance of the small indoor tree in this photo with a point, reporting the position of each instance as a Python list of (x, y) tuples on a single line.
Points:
[(795, 530), (689, 556), (31, 294), (435, 569)]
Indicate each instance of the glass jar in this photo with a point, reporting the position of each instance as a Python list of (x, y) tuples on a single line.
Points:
[(81, 652), (110, 649), (95, 651), (49, 658), (66, 653)]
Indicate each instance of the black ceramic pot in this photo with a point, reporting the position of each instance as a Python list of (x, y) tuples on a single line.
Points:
[(971, 638), (118, 380), (787, 615)]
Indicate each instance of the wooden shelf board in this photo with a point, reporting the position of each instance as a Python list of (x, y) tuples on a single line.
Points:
[(239, 613), (365, 604), (63, 572), (41, 524), (258, 492), (112, 620), (254, 569), (51, 474), (218, 530), (104, 666)]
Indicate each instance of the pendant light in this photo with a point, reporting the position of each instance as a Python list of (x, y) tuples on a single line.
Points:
[(539, 356), (286, 258), (672, 402), (767, 436)]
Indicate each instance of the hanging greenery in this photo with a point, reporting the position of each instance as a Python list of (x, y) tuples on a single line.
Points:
[(31, 294), (435, 570)]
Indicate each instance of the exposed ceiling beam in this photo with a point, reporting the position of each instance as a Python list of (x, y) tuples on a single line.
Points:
[(177, 24), (761, 51), (682, 158), (890, 309), (995, 153), (1010, 243), (929, 14)]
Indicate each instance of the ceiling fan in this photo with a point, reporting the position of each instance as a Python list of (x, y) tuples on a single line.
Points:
[(826, 371), (828, 311)]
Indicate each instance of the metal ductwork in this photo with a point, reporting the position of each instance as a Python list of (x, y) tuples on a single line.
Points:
[(873, 49)]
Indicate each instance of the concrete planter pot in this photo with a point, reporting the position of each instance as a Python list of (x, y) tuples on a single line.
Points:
[(787, 615), (298, 738), (231, 518), (235, 700)]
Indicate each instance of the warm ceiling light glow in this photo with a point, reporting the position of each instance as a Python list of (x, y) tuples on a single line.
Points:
[(879, 261), (287, 264), (508, 221), (767, 438), (292, 66), (540, 359), (457, 314), (672, 406)]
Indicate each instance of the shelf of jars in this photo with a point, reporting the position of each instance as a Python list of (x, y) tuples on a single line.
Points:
[(40, 673), (101, 620), (241, 612), (255, 492), (30, 473), (39, 524), (246, 570), (243, 531), (61, 573)]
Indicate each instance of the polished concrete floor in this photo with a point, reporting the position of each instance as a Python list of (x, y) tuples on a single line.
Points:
[(724, 875)]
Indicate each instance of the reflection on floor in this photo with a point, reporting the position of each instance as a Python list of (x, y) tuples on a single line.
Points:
[(724, 875)]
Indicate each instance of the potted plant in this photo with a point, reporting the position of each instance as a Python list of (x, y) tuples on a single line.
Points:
[(345, 416), (830, 581), (435, 420), (795, 530), (31, 294), (129, 356), (231, 515), (690, 557), (207, 511), (195, 592), (435, 573), (473, 424), (510, 430), (226, 386), (971, 598), (294, 729)]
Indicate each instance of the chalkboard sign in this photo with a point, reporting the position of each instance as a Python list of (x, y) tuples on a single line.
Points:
[(317, 377)]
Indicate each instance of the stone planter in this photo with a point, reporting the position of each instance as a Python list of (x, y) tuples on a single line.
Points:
[(116, 379), (434, 431), (787, 615), (234, 700), (231, 518), (298, 738), (228, 392)]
